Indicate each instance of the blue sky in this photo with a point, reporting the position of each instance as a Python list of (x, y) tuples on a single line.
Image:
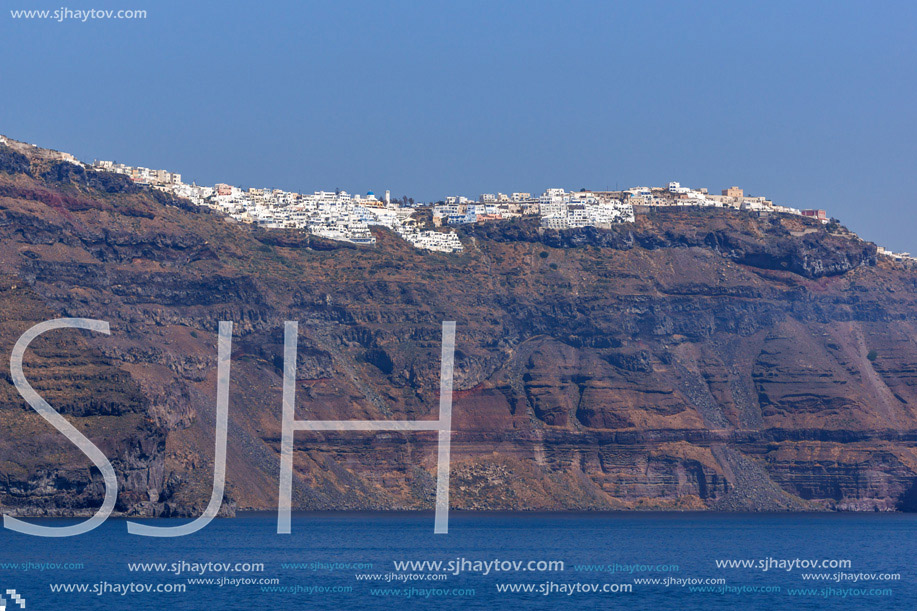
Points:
[(810, 103)]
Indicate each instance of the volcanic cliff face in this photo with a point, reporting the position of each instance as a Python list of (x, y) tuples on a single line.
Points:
[(694, 359)]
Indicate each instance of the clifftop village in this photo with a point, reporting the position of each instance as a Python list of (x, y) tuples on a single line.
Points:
[(338, 215)]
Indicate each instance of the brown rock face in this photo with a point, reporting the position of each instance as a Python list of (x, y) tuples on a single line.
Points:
[(694, 359)]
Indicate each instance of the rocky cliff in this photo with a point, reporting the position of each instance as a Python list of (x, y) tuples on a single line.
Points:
[(695, 359)]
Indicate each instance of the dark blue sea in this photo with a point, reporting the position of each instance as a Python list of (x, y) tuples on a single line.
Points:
[(682, 561)]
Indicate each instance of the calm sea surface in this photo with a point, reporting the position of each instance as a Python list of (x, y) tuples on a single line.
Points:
[(567, 561)]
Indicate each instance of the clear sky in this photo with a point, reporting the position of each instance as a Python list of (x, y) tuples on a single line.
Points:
[(810, 103)]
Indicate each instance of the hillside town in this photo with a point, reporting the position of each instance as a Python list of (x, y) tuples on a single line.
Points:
[(335, 215), (339, 215)]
